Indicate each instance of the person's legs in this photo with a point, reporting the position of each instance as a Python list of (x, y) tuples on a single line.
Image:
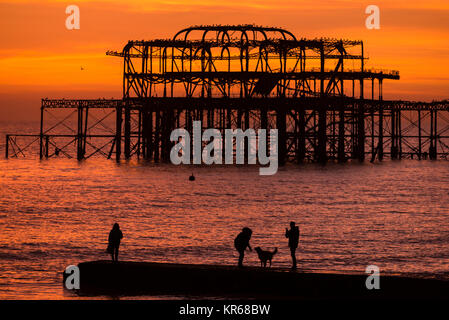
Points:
[(293, 254), (241, 256), (116, 253)]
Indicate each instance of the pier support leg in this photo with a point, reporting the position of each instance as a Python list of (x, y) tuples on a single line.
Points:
[(163, 131), (118, 133), (127, 132), (433, 135), (302, 135), (150, 140), (281, 126), (341, 135), (143, 130), (168, 119), (47, 138), (419, 136), (139, 134), (147, 128), (399, 133), (263, 125), (86, 118), (380, 142), (354, 126), (79, 137), (361, 133), (157, 136), (322, 137), (394, 134), (7, 147), (246, 144), (41, 135)]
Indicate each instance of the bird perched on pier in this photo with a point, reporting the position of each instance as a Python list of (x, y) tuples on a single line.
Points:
[(192, 178)]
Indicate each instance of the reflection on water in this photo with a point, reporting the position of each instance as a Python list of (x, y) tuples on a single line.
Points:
[(59, 212)]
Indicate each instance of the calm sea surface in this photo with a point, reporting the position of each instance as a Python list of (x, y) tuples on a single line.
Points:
[(58, 212)]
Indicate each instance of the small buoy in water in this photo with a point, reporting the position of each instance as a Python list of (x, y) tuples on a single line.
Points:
[(192, 177)]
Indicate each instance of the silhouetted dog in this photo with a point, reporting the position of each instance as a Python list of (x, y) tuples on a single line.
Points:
[(265, 256)]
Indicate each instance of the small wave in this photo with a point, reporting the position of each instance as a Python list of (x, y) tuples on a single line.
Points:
[(37, 253), (12, 256), (36, 244), (159, 205), (150, 237)]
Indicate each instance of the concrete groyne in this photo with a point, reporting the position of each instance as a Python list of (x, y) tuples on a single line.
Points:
[(148, 278)]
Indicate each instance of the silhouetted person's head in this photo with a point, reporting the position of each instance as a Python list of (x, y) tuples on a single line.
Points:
[(247, 231), (292, 224), (116, 226)]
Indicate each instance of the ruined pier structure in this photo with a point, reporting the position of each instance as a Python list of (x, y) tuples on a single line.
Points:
[(325, 102)]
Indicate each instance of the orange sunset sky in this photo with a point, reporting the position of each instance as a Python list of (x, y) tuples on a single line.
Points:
[(40, 58)]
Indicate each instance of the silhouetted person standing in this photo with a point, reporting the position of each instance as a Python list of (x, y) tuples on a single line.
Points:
[(293, 240), (241, 242), (114, 241)]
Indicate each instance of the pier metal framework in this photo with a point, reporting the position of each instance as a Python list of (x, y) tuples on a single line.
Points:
[(319, 93)]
